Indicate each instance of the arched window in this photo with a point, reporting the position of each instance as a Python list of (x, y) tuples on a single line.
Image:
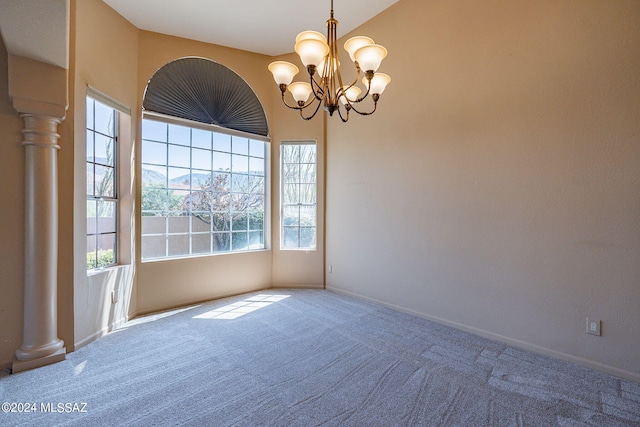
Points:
[(204, 162), (204, 91)]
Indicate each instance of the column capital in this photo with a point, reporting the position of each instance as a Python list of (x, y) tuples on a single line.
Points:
[(37, 88), (40, 108), (40, 130)]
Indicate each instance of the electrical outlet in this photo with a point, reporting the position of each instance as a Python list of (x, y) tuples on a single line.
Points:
[(330, 268), (593, 326)]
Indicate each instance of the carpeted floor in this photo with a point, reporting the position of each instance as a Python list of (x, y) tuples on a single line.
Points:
[(308, 358)]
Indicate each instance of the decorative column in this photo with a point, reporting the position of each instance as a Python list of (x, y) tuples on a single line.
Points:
[(40, 343)]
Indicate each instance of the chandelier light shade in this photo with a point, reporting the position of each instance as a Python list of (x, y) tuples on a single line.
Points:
[(300, 91), (354, 43), (319, 55), (283, 72), (379, 82), (370, 56), (311, 51), (350, 94)]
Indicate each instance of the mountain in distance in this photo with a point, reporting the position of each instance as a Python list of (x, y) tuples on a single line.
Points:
[(150, 176)]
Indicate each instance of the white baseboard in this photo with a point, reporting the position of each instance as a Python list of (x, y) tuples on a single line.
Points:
[(102, 332), (296, 286), (612, 370), (91, 338)]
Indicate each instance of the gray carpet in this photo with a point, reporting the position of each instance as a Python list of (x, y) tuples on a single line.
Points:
[(312, 358)]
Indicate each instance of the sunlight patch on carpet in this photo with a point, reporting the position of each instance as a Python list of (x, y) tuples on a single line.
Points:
[(77, 370), (153, 317), (240, 308)]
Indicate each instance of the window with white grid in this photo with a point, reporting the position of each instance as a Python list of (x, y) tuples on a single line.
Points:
[(203, 192), (298, 195), (102, 185)]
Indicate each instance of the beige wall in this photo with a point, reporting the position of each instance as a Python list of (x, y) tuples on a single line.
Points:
[(292, 267), (5, 102), (11, 232), (103, 56), (11, 221), (496, 188)]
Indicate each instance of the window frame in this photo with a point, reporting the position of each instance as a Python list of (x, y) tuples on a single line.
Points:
[(283, 205), (93, 197), (189, 213)]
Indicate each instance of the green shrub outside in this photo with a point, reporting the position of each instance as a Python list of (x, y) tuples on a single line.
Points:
[(105, 258)]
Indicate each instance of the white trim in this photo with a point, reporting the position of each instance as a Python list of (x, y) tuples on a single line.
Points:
[(282, 286), (268, 215), (164, 118), (284, 143), (299, 142), (102, 332), (107, 100), (91, 338), (264, 157)]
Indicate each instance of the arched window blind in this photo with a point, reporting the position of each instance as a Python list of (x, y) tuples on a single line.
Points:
[(204, 91)]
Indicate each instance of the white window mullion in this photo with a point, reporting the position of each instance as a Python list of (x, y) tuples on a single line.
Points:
[(224, 192), (299, 231), (102, 139)]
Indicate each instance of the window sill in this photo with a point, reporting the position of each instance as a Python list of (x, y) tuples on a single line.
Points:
[(196, 256), (106, 270)]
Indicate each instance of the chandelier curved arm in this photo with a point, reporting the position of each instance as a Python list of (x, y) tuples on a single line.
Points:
[(319, 93), (355, 81), (344, 119), (350, 106), (361, 98), (297, 107), (311, 116), (342, 91), (369, 75)]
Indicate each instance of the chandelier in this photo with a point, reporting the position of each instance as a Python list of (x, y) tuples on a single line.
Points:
[(319, 54)]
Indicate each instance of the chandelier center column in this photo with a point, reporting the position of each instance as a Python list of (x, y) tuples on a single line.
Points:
[(41, 345)]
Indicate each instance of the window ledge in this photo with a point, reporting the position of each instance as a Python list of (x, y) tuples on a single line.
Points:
[(106, 270), (183, 257)]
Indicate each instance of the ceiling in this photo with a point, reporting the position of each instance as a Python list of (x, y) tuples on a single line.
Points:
[(262, 26), (36, 29)]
